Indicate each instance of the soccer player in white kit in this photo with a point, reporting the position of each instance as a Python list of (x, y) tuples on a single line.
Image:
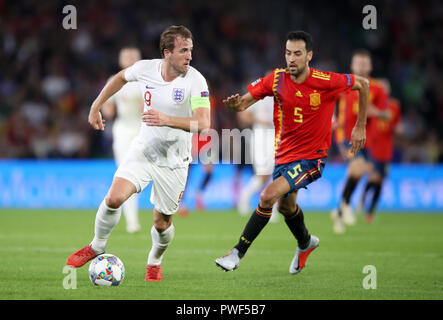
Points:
[(176, 103), (261, 115), (126, 107)]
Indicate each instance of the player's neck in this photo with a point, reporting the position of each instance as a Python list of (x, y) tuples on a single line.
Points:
[(302, 76), (168, 73)]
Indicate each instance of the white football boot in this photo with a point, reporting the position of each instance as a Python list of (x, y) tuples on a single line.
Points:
[(347, 214), (338, 225), (230, 261), (299, 260)]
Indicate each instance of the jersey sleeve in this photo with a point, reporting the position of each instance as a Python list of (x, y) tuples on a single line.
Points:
[(342, 82), (338, 83), (133, 72), (262, 87), (199, 92)]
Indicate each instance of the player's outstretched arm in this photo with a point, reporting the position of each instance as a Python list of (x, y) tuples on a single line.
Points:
[(358, 135), (111, 87), (239, 103), (201, 120)]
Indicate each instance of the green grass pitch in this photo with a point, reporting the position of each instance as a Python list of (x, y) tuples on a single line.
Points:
[(406, 250)]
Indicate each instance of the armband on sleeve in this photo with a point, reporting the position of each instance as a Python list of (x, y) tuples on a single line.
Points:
[(200, 102)]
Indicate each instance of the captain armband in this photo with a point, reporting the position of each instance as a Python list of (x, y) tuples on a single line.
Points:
[(200, 102)]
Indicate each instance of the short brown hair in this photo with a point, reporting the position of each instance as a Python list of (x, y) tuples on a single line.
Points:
[(167, 38), (362, 52)]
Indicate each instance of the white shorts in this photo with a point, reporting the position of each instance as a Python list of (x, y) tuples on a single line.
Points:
[(168, 183), (262, 151)]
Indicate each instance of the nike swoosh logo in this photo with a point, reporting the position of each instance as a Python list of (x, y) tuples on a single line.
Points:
[(148, 87)]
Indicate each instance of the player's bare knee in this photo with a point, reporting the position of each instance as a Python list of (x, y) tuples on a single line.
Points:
[(267, 198), (357, 168), (355, 175), (162, 222), (114, 201), (162, 226), (375, 177), (355, 171)]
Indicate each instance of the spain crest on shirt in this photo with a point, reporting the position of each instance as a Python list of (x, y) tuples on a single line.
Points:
[(314, 99)]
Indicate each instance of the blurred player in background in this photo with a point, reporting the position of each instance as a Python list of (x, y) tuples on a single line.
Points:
[(260, 116), (304, 102), (126, 107), (176, 102), (383, 130), (361, 65), (199, 141), (203, 143), (199, 202)]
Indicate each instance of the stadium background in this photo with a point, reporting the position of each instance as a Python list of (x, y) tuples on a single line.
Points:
[(55, 170), (50, 157)]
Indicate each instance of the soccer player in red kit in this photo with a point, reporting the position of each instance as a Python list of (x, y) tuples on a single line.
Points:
[(304, 100), (382, 131), (361, 64)]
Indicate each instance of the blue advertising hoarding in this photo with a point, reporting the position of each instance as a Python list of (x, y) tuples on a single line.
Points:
[(84, 183)]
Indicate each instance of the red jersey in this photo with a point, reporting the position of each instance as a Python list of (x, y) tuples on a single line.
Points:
[(302, 111), (382, 133), (348, 111)]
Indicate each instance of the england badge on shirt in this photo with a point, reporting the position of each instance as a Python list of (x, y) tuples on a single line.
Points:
[(178, 94)]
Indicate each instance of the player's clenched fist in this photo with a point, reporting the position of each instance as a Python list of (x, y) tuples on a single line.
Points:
[(95, 120), (155, 118)]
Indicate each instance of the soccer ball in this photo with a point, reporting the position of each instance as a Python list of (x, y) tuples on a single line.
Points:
[(106, 270)]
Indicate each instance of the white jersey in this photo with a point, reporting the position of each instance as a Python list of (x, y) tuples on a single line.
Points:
[(262, 146), (128, 110), (128, 117), (166, 146), (263, 110)]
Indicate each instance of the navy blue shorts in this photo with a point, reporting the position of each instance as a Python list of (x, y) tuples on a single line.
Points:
[(381, 167), (299, 173)]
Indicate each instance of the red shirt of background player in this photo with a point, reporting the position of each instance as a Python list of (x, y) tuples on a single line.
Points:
[(302, 112), (382, 133), (348, 111)]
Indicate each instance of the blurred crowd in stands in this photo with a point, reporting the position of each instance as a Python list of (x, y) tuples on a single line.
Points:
[(50, 76)]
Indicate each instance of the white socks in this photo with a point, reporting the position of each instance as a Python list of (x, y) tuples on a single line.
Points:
[(254, 186), (160, 242), (130, 211), (275, 214), (105, 220)]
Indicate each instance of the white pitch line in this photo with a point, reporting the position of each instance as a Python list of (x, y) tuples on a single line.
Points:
[(216, 251)]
